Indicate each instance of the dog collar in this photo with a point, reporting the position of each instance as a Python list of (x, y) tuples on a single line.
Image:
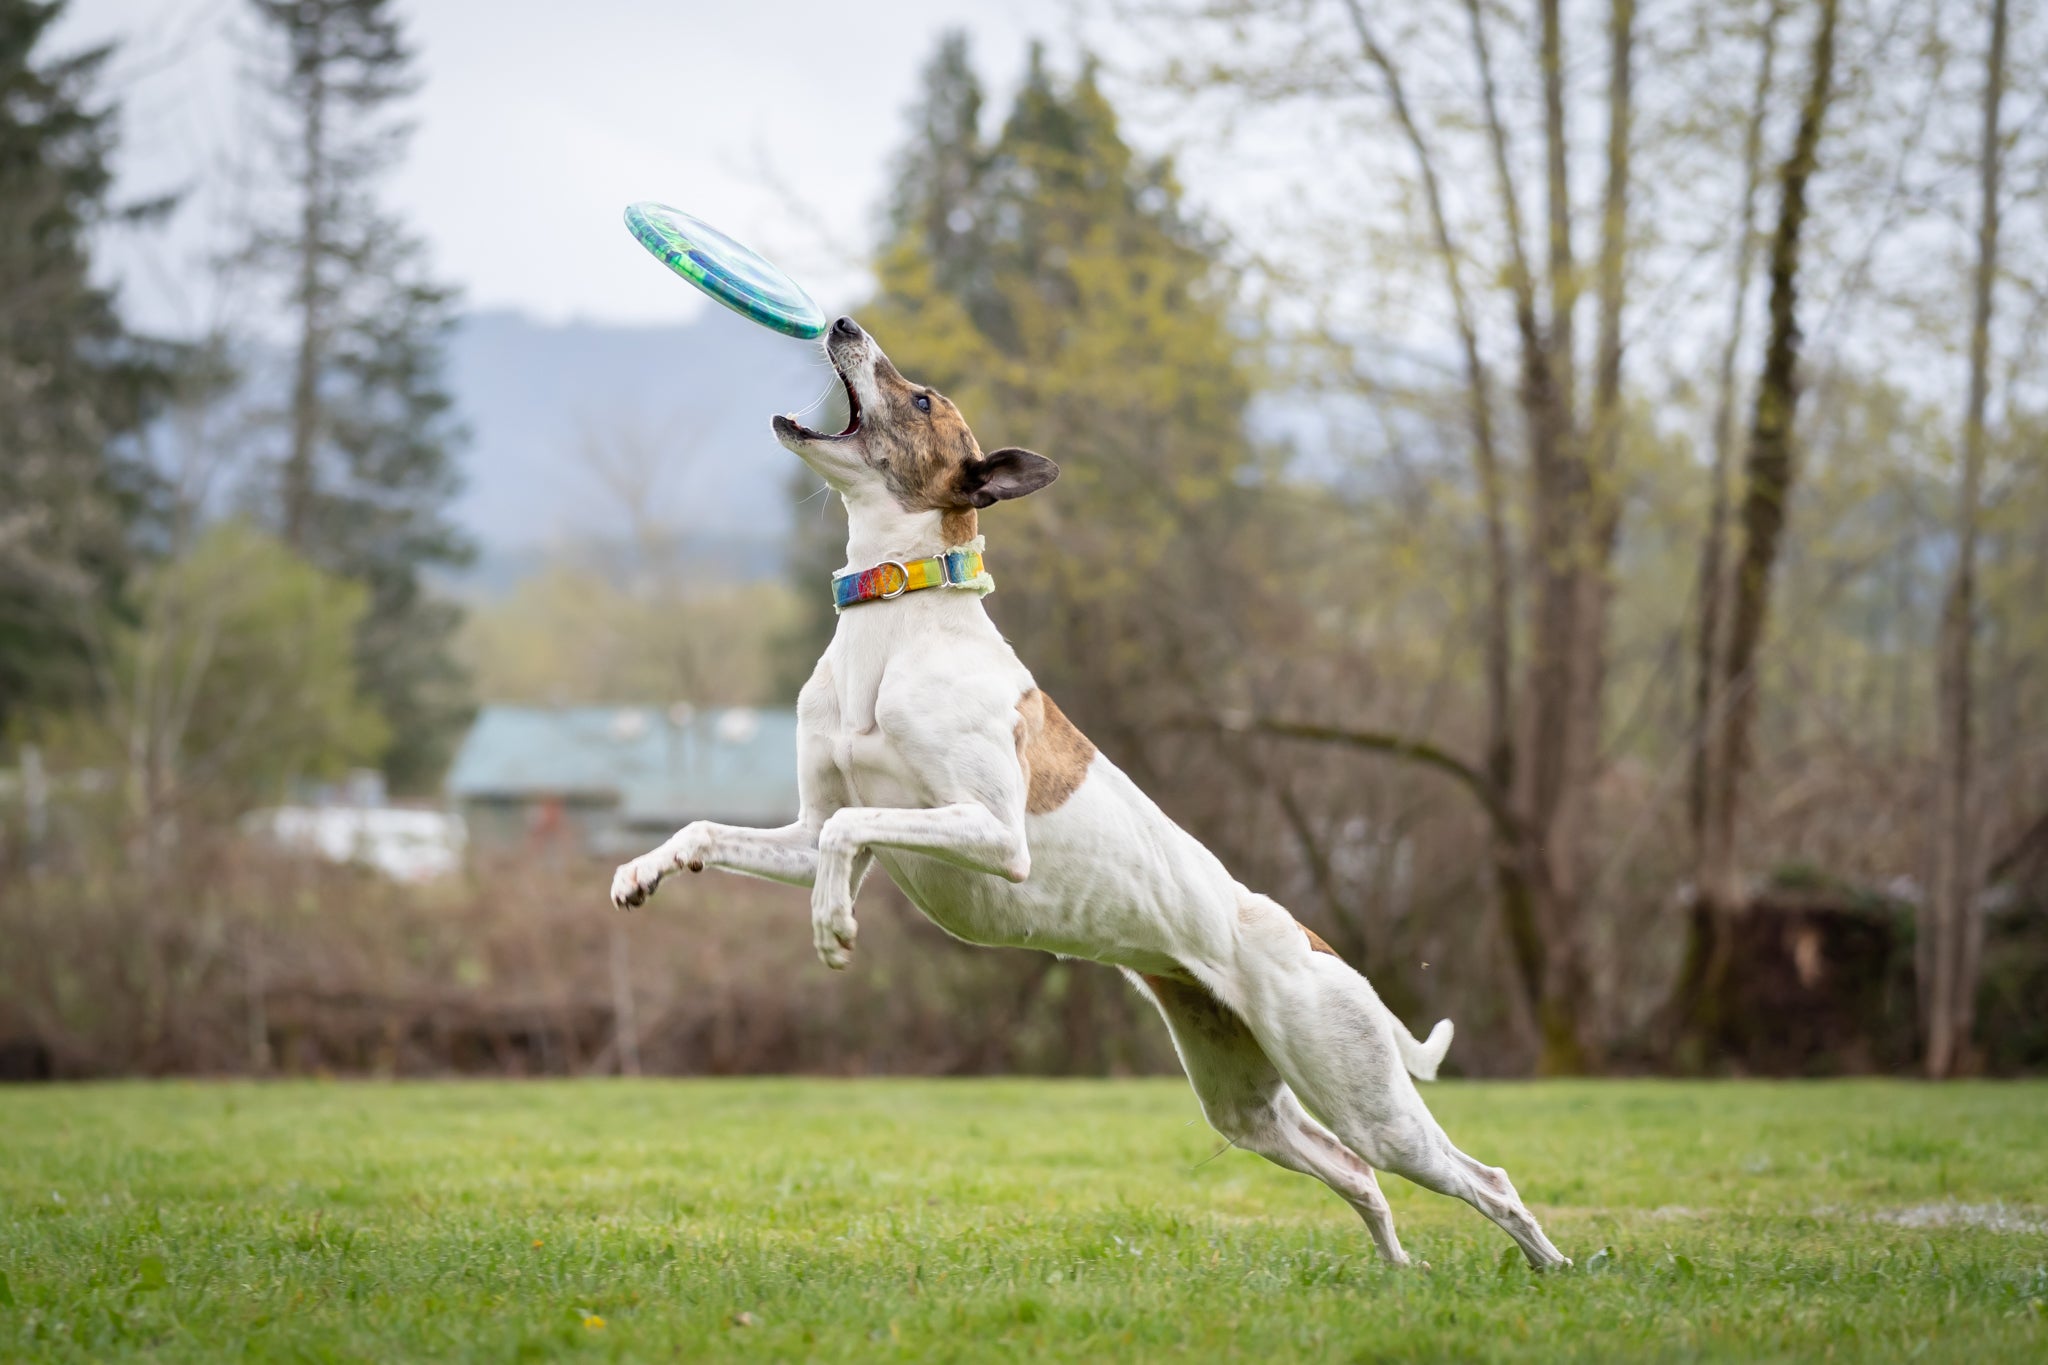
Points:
[(959, 567)]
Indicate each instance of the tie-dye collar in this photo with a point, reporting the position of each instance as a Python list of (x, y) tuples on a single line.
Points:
[(958, 567)]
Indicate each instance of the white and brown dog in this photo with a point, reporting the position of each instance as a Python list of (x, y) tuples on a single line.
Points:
[(924, 744)]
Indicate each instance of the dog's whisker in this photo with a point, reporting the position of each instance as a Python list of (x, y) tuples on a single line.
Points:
[(819, 401)]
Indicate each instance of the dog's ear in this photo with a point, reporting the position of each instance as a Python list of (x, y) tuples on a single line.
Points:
[(1002, 474)]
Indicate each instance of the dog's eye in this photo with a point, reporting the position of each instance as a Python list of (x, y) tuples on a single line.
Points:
[(923, 401)]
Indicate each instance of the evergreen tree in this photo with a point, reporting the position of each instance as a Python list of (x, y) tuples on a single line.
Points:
[(367, 470), (940, 191), (935, 203), (1050, 283), (1064, 300), (73, 381)]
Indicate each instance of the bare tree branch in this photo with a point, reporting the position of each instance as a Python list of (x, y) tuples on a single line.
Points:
[(1485, 456), (1423, 752)]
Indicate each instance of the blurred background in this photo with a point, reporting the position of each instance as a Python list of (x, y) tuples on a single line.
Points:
[(1556, 494)]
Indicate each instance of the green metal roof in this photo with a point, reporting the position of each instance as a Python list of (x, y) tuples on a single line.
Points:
[(657, 765)]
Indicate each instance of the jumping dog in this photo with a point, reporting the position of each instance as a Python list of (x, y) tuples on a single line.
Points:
[(923, 744)]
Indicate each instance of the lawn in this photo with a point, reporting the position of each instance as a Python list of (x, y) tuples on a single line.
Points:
[(814, 1219)]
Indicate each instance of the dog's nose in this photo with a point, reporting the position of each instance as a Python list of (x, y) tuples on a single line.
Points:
[(847, 328)]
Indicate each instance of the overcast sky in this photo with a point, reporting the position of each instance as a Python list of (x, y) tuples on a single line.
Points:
[(540, 120)]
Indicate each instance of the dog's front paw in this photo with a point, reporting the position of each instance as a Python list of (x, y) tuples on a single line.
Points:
[(832, 926), (834, 937), (634, 882), (833, 930)]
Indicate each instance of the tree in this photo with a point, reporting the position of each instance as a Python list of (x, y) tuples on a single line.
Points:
[(1769, 477), (1483, 571), (939, 173), (935, 216), (74, 382), (1094, 323), (1711, 640), (367, 470), (1954, 932), (1545, 723), (235, 678), (1050, 281), (573, 635)]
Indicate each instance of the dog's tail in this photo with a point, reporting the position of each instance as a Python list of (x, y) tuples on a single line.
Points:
[(1422, 1058)]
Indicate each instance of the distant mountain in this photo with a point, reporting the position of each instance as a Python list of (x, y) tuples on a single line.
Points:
[(564, 416), (565, 419)]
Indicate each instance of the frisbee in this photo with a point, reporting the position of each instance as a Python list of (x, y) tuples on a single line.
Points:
[(727, 271)]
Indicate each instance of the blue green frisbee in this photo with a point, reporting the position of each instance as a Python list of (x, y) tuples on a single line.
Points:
[(737, 277)]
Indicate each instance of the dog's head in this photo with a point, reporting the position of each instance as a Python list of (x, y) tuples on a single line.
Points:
[(906, 441)]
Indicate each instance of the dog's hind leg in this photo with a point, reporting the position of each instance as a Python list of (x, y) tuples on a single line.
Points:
[(1245, 1100), (1328, 1034)]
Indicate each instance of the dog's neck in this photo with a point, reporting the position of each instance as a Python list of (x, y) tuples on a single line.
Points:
[(878, 530)]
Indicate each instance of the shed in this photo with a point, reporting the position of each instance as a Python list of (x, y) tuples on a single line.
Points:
[(617, 779)]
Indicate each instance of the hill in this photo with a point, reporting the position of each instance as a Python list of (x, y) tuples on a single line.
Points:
[(578, 427)]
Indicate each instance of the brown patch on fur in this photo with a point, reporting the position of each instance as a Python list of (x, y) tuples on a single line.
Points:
[(920, 453), (1055, 755), (958, 525), (1315, 941), (916, 439)]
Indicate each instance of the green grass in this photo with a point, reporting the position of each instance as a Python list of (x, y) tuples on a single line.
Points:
[(782, 1220)]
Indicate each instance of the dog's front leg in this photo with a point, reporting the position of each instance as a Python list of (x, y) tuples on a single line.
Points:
[(788, 855), (967, 835)]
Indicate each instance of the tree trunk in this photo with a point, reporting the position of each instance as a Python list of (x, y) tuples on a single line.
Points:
[(1509, 858), (1528, 898), (1612, 270), (1557, 494), (1564, 276), (1956, 933), (1479, 399), (1600, 523), (1500, 740), (1769, 479), (1543, 744), (299, 471), (1713, 576), (1558, 742), (1710, 650)]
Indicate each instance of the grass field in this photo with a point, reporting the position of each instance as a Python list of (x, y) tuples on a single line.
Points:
[(803, 1219)]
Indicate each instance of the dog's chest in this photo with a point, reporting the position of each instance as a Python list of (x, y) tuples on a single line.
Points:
[(873, 768), (882, 754)]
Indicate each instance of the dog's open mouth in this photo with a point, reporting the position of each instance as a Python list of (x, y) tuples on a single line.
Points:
[(852, 408)]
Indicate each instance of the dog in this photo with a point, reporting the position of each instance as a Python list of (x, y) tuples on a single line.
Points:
[(923, 744)]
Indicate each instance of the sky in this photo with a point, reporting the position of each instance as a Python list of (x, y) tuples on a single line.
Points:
[(539, 121)]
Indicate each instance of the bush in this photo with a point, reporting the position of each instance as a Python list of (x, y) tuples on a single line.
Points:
[(239, 962)]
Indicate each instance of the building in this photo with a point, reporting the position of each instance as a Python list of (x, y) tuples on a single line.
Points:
[(403, 843), (616, 780)]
